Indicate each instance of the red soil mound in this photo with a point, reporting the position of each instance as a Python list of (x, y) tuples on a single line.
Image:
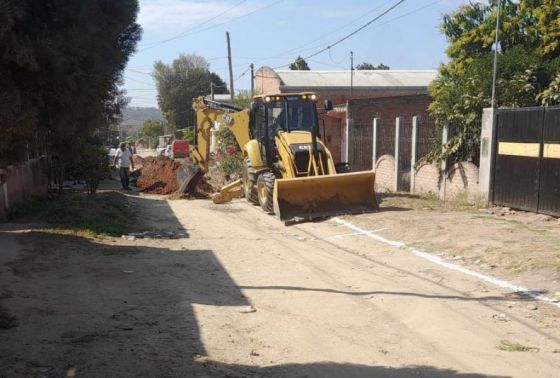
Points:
[(159, 175)]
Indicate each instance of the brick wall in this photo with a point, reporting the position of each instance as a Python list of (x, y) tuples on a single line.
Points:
[(385, 173), (363, 111), (427, 179), (461, 177), (267, 81), (21, 182), (332, 136)]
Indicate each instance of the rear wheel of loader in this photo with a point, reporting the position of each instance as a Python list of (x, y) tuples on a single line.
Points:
[(265, 190), (248, 181)]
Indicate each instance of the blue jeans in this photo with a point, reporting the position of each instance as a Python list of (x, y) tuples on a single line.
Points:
[(124, 173)]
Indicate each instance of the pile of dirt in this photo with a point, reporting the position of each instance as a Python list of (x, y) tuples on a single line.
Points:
[(158, 175)]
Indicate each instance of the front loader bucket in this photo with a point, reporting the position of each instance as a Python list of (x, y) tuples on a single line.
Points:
[(305, 198)]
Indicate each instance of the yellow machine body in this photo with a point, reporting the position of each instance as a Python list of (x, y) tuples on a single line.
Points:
[(318, 191), (300, 179)]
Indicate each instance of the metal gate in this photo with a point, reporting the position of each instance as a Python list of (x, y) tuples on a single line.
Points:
[(527, 159)]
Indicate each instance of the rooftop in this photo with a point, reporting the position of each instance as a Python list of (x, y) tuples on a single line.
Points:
[(361, 78)]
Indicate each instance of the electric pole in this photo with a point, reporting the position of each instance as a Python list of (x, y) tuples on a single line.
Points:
[(495, 57), (230, 68), (252, 80), (212, 91), (351, 73)]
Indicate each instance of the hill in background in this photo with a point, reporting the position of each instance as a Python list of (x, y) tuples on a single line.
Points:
[(134, 116)]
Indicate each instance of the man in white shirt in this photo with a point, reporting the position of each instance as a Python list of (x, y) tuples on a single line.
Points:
[(123, 160)]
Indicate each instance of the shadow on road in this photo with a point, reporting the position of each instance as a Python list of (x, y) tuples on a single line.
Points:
[(329, 369), (99, 308)]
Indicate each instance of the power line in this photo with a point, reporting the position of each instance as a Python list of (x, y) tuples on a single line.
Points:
[(140, 89), (212, 26), (138, 81), (351, 34), (139, 72), (409, 13), (154, 44), (299, 48), (355, 31), (340, 61), (243, 74)]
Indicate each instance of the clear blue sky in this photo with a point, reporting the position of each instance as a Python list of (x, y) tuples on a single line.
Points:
[(275, 32)]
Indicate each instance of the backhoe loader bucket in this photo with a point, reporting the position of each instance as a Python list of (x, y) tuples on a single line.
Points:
[(188, 176), (305, 198)]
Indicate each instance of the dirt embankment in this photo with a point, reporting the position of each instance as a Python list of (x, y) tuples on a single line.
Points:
[(158, 175)]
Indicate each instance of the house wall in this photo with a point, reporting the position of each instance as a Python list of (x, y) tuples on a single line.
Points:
[(363, 111), (21, 182), (267, 81)]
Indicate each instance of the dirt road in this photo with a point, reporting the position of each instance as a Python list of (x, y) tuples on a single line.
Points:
[(240, 294)]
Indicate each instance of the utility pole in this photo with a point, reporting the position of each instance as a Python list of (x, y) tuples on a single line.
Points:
[(212, 90), (230, 68), (495, 57), (252, 80), (351, 74)]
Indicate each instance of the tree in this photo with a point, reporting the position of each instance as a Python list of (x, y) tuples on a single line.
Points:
[(243, 99), (151, 129), (528, 64), (188, 134), (61, 66), (178, 83), (369, 66), (299, 64)]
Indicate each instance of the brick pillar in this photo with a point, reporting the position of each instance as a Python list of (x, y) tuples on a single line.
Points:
[(413, 154), (398, 122)]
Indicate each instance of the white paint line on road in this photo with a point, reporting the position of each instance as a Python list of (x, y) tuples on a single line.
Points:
[(439, 261), (339, 236)]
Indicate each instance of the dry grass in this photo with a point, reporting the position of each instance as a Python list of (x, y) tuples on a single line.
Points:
[(509, 346)]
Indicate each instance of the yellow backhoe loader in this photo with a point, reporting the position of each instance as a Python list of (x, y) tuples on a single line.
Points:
[(287, 169)]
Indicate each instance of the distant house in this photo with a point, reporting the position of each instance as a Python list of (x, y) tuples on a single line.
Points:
[(340, 86), (224, 98)]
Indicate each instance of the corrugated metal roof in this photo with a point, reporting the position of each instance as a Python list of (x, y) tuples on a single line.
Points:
[(362, 78)]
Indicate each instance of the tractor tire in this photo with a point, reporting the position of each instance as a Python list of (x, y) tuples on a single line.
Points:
[(249, 180), (265, 191)]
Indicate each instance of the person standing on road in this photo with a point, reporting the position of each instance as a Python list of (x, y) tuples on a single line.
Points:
[(123, 160)]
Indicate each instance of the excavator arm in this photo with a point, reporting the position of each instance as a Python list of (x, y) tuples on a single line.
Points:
[(208, 114)]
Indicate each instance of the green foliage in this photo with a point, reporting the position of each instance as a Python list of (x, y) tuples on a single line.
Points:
[(188, 134), (299, 64), (231, 164), (61, 65), (369, 66), (243, 99), (178, 83), (225, 138), (89, 162), (151, 129), (528, 64), (510, 346), (105, 213)]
